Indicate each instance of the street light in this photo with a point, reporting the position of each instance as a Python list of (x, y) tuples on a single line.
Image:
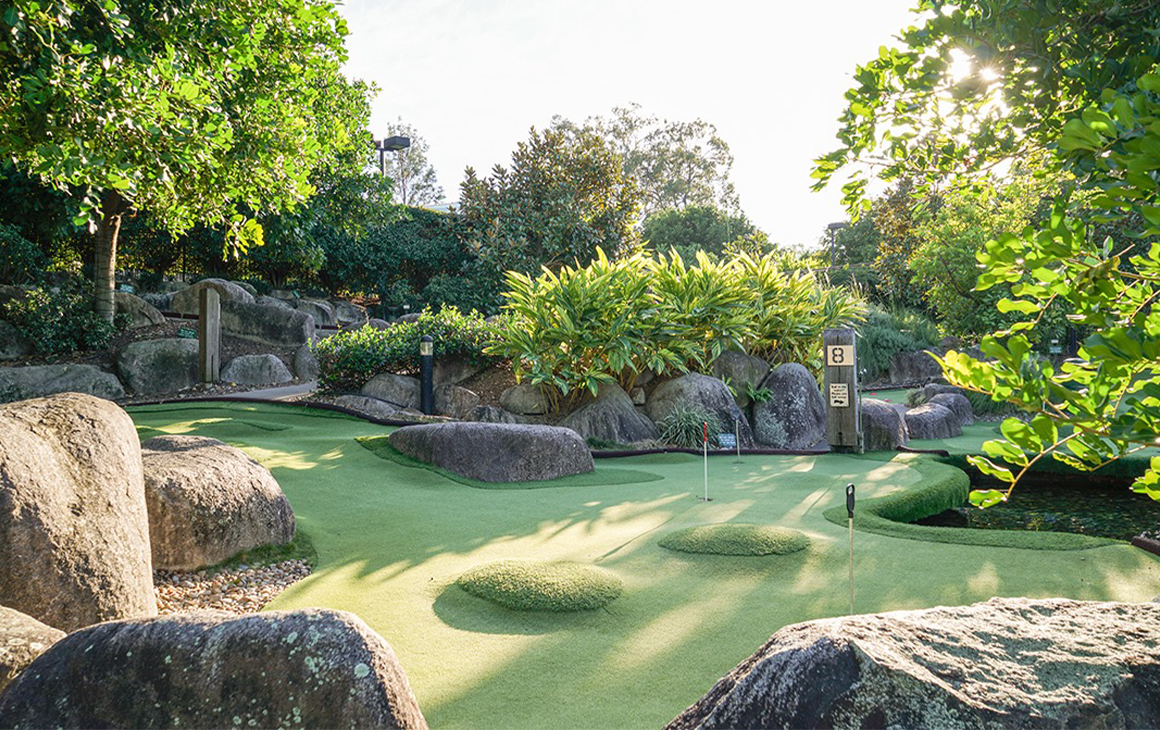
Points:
[(390, 144)]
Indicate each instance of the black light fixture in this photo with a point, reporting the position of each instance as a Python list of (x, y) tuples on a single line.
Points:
[(390, 144), (833, 228)]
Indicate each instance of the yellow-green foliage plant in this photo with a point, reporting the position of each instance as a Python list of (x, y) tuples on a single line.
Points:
[(790, 309), (572, 330)]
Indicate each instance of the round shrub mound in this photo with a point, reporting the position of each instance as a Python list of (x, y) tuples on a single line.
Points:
[(736, 539), (529, 585)]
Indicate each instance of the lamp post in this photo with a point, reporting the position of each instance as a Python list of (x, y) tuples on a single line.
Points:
[(390, 144), (833, 228)]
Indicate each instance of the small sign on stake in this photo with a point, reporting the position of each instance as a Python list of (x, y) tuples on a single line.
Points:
[(839, 395)]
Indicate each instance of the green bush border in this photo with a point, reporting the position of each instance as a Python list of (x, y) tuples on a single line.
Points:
[(944, 487), (603, 477)]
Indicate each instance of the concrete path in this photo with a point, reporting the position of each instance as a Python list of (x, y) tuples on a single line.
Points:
[(284, 392)]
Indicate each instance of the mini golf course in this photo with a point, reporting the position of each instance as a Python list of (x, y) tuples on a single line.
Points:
[(394, 541)]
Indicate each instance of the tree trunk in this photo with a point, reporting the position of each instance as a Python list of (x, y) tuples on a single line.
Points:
[(113, 207)]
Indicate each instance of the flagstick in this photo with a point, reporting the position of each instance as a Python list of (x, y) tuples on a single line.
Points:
[(705, 453)]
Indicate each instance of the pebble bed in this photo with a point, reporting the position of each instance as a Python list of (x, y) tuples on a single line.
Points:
[(240, 590)]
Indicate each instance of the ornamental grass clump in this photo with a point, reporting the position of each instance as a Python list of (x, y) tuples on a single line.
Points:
[(686, 425)]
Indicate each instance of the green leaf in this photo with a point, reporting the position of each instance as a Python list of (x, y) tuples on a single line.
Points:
[(984, 498)]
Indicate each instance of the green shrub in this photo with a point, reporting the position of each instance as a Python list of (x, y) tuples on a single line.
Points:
[(685, 426), (21, 260), (349, 359), (528, 585), (885, 334), (736, 539), (61, 321)]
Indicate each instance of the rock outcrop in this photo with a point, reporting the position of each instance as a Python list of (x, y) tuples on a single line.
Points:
[(454, 401), (151, 367), (1006, 663), (188, 301), (268, 325), (306, 364), (957, 404), (35, 381), (141, 313), (368, 406), (611, 417), (22, 639), (256, 370), (525, 399), (12, 343), (932, 421), (883, 427), (308, 668), (703, 392), (794, 417), (208, 502), (741, 372), (398, 390), (496, 452), (74, 532)]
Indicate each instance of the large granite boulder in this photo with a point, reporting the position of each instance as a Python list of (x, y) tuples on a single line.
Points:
[(1006, 663), (368, 406), (932, 421), (400, 390), (496, 452), (160, 302), (151, 367), (309, 668), (611, 417), (12, 343), (883, 427), (34, 381), (74, 532), (454, 401), (909, 368), (930, 390), (454, 370), (141, 313), (22, 639), (347, 313), (957, 404), (208, 502), (525, 399), (794, 417), (320, 310), (256, 370), (704, 392), (253, 290), (493, 414), (266, 301), (188, 300), (306, 366), (741, 372), (268, 325)]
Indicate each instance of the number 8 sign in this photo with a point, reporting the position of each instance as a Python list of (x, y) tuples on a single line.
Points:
[(839, 355)]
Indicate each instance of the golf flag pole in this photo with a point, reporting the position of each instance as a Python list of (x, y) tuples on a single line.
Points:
[(850, 519), (705, 453), (737, 437)]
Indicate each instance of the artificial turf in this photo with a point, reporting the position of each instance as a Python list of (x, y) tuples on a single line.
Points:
[(732, 538), (391, 541), (537, 585)]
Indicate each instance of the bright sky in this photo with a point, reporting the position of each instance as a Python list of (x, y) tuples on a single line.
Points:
[(473, 76)]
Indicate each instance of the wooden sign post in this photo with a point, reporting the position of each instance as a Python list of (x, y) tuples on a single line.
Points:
[(843, 409), (209, 336)]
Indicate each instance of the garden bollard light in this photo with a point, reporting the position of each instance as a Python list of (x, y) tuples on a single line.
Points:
[(426, 374), (850, 518)]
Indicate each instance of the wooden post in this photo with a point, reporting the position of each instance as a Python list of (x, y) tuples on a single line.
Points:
[(209, 336), (843, 408)]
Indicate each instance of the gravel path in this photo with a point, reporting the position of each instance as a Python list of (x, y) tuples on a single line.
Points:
[(239, 590)]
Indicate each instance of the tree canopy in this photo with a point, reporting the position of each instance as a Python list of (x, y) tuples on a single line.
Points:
[(197, 111), (979, 83), (677, 164), (414, 178), (564, 196), (701, 228)]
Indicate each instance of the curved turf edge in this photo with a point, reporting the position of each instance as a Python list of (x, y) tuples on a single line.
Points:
[(944, 487)]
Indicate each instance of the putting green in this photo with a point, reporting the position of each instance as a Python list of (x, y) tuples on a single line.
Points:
[(392, 540)]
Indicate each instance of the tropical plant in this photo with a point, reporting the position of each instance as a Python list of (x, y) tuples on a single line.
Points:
[(60, 321)]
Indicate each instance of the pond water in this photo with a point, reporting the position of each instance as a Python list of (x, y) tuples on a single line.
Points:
[(1083, 504)]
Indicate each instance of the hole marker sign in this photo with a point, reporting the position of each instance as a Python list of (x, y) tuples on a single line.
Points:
[(839, 355), (839, 395)]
